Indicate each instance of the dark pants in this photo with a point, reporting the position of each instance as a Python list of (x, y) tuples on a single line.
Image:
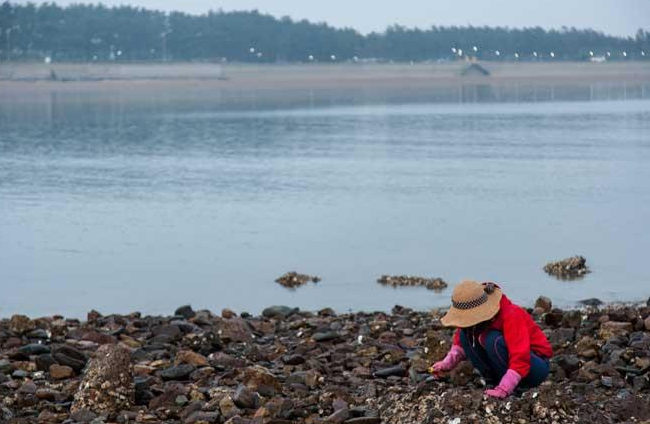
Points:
[(492, 360)]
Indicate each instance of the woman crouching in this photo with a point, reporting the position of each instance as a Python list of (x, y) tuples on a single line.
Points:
[(499, 338)]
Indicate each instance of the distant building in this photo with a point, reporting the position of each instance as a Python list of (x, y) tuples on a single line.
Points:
[(598, 59), (475, 70)]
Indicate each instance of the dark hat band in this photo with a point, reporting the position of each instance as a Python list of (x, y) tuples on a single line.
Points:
[(471, 304)]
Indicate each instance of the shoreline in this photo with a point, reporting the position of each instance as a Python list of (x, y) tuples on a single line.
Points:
[(314, 76), (255, 87), (290, 366)]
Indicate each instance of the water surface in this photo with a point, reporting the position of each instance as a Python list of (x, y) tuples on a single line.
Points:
[(110, 206)]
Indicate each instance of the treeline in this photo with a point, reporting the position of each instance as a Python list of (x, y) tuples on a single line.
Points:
[(85, 32)]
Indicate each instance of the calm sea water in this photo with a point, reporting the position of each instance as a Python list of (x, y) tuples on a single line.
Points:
[(123, 208)]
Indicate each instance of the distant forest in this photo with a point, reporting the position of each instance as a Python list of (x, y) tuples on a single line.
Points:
[(85, 32)]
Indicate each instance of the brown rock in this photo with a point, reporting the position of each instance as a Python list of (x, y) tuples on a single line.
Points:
[(99, 338), (168, 398), (462, 374), (192, 358), (261, 380), (228, 313), (21, 324), (61, 372), (587, 348), (107, 386), (544, 303), (228, 408), (615, 328), (647, 323), (234, 330)]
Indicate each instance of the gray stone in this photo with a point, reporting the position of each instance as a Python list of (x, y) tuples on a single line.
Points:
[(293, 359), (34, 349), (66, 355), (6, 367), (569, 363), (202, 417), (245, 398), (326, 336), (364, 420), (83, 416), (185, 311), (398, 370), (338, 417), (178, 372), (279, 311), (43, 362), (591, 302)]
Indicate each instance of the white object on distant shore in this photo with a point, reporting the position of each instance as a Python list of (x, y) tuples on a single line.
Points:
[(47, 60), (311, 58), (333, 57)]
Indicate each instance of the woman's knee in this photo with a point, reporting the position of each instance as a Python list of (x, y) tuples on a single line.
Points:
[(496, 348)]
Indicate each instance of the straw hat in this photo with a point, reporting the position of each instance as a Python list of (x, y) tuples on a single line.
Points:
[(471, 303)]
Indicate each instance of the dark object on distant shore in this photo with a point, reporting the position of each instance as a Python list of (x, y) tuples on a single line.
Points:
[(405, 280), (292, 279), (568, 269), (475, 70)]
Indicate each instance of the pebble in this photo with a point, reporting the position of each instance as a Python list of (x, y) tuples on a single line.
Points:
[(61, 372), (185, 311), (177, 372), (34, 349)]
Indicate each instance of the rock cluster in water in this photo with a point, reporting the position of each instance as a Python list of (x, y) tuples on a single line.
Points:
[(406, 280), (568, 269), (292, 280), (289, 366)]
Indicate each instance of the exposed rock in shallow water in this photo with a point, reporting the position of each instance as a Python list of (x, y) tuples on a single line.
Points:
[(591, 302), (568, 269), (411, 281), (292, 280)]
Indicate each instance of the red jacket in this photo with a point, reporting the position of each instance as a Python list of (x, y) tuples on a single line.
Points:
[(521, 334)]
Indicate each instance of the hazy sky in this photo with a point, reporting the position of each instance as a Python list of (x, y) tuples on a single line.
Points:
[(619, 17)]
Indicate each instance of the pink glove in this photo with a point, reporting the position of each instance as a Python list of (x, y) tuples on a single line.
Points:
[(507, 385), (453, 358)]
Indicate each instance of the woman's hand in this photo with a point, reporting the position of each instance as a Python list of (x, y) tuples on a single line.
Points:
[(508, 383), (455, 355)]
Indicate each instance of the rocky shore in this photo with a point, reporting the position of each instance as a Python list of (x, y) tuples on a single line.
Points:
[(289, 366)]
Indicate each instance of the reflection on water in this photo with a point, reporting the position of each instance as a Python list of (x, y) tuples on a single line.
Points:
[(54, 105), (120, 203)]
